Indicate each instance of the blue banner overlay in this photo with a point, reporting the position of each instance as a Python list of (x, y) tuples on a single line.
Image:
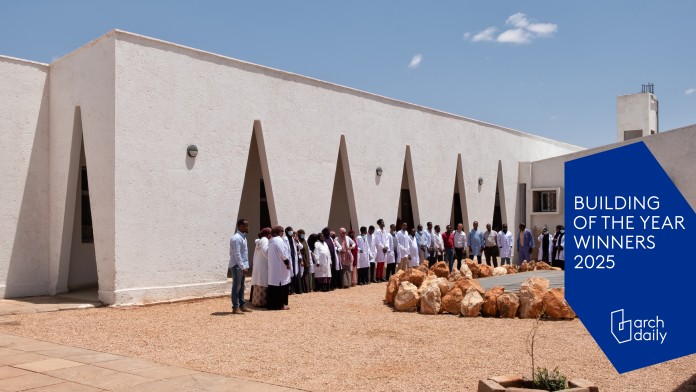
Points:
[(629, 258)]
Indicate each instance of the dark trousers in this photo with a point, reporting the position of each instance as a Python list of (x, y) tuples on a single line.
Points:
[(459, 255), (372, 272), (295, 285), (391, 268), (491, 253), (477, 257), (363, 275), (277, 296), (431, 260), (559, 263), (335, 278), (449, 257)]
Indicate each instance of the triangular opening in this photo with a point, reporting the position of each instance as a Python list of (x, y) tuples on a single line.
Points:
[(256, 202), (408, 203), (342, 212), (499, 212), (459, 211)]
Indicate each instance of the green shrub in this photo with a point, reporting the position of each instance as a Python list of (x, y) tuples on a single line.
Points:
[(549, 380)]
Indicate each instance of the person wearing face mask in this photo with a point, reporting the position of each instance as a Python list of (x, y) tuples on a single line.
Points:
[(560, 255), (505, 243), (545, 246), (291, 246), (306, 261)]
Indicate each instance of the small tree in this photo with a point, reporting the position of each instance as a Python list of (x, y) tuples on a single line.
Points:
[(542, 377)]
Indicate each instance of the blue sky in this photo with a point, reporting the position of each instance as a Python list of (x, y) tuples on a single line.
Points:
[(552, 68)]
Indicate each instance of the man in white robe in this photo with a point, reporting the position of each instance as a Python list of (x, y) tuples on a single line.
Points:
[(363, 257), (414, 260), (278, 271), (505, 243), (373, 253), (404, 244), (381, 250)]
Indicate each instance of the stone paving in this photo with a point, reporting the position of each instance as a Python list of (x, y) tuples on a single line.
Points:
[(30, 364), (512, 282), (43, 304)]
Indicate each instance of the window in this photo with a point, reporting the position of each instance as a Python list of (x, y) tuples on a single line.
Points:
[(545, 200)]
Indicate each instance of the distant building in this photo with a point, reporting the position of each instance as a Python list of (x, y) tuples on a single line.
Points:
[(637, 114)]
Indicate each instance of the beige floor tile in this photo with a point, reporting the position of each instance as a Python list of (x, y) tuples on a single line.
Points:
[(28, 381), (6, 340), (67, 387), (9, 351), (49, 364), (160, 372), (98, 377), (127, 364), (95, 358), (65, 352), (33, 346), (158, 386), (9, 371), (21, 358)]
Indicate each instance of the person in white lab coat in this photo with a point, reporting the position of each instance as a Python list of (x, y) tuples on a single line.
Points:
[(404, 244), (279, 271), (438, 245), (560, 254), (322, 266), (373, 253), (391, 255), (545, 246), (346, 245), (505, 243), (413, 250), (364, 257), (259, 272), (381, 250)]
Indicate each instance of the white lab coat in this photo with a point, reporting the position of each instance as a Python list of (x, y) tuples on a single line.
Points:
[(294, 268), (259, 273), (561, 252), (381, 241), (505, 243), (278, 273), (437, 244), (390, 254), (371, 247), (363, 252), (322, 258), (337, 247), (403, 242), (413, 252)]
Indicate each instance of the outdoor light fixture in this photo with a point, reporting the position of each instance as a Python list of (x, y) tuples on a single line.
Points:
[(480, 180), (192, 150), (379, 171)]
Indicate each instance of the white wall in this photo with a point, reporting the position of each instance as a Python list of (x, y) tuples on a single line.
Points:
[(24, 198), (174, 215), (82, 106)]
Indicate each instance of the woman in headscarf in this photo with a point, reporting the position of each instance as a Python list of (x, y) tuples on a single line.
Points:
[(354, 252), (278, 271), (332, 251), (259, 273), (346, 257), (322, 258)]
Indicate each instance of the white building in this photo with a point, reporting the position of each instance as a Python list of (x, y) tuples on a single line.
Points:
[(99, 188)]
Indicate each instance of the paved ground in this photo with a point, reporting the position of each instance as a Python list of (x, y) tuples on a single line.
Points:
[(43, 304), (30, 364), (512, 282)]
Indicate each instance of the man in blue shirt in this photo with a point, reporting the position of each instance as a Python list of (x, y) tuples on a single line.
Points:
[(475, 243), (525, 244), (239, 263)]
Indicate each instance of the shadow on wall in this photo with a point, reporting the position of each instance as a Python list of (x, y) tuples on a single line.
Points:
[(27, 273)]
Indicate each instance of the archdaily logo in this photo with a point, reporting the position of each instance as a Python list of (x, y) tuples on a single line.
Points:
[(638, 330)]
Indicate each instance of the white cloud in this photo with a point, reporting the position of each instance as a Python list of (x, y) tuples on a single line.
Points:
[(415, 61), (523, 31), (485, 35), (690, 91), (515, 36)]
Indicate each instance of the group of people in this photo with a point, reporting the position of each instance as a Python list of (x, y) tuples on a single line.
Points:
[(288, 262)]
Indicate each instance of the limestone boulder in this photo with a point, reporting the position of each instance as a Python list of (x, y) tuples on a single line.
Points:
[(532, 297), (430, 297), (524, 267), (497, 271), (490, 301), (465, 271), (473, 267), (542, 266), (555, 305), (443, 284), (414, 276), (392, 288), (454, 275), (407, 297), (471, 303), (464, 285), (508, 304), (511, 269), (485, 271), (556, 269), (423, 267), (440, 269), (451, 302)]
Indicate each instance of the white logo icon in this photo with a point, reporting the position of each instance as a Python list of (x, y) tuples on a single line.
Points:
[(621, 328), (638, 330)]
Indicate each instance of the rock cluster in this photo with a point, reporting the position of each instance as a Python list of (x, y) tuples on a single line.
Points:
[(437, 290)]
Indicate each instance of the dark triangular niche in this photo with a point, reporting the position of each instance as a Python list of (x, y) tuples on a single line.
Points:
[(342, 210), (459, 211), (499, 212)]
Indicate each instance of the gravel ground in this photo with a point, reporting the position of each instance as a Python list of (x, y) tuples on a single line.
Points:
[(346, 340)]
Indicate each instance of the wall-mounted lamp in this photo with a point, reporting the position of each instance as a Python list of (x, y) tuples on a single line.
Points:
[(192, 150), (480, 181), (379, 171)]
